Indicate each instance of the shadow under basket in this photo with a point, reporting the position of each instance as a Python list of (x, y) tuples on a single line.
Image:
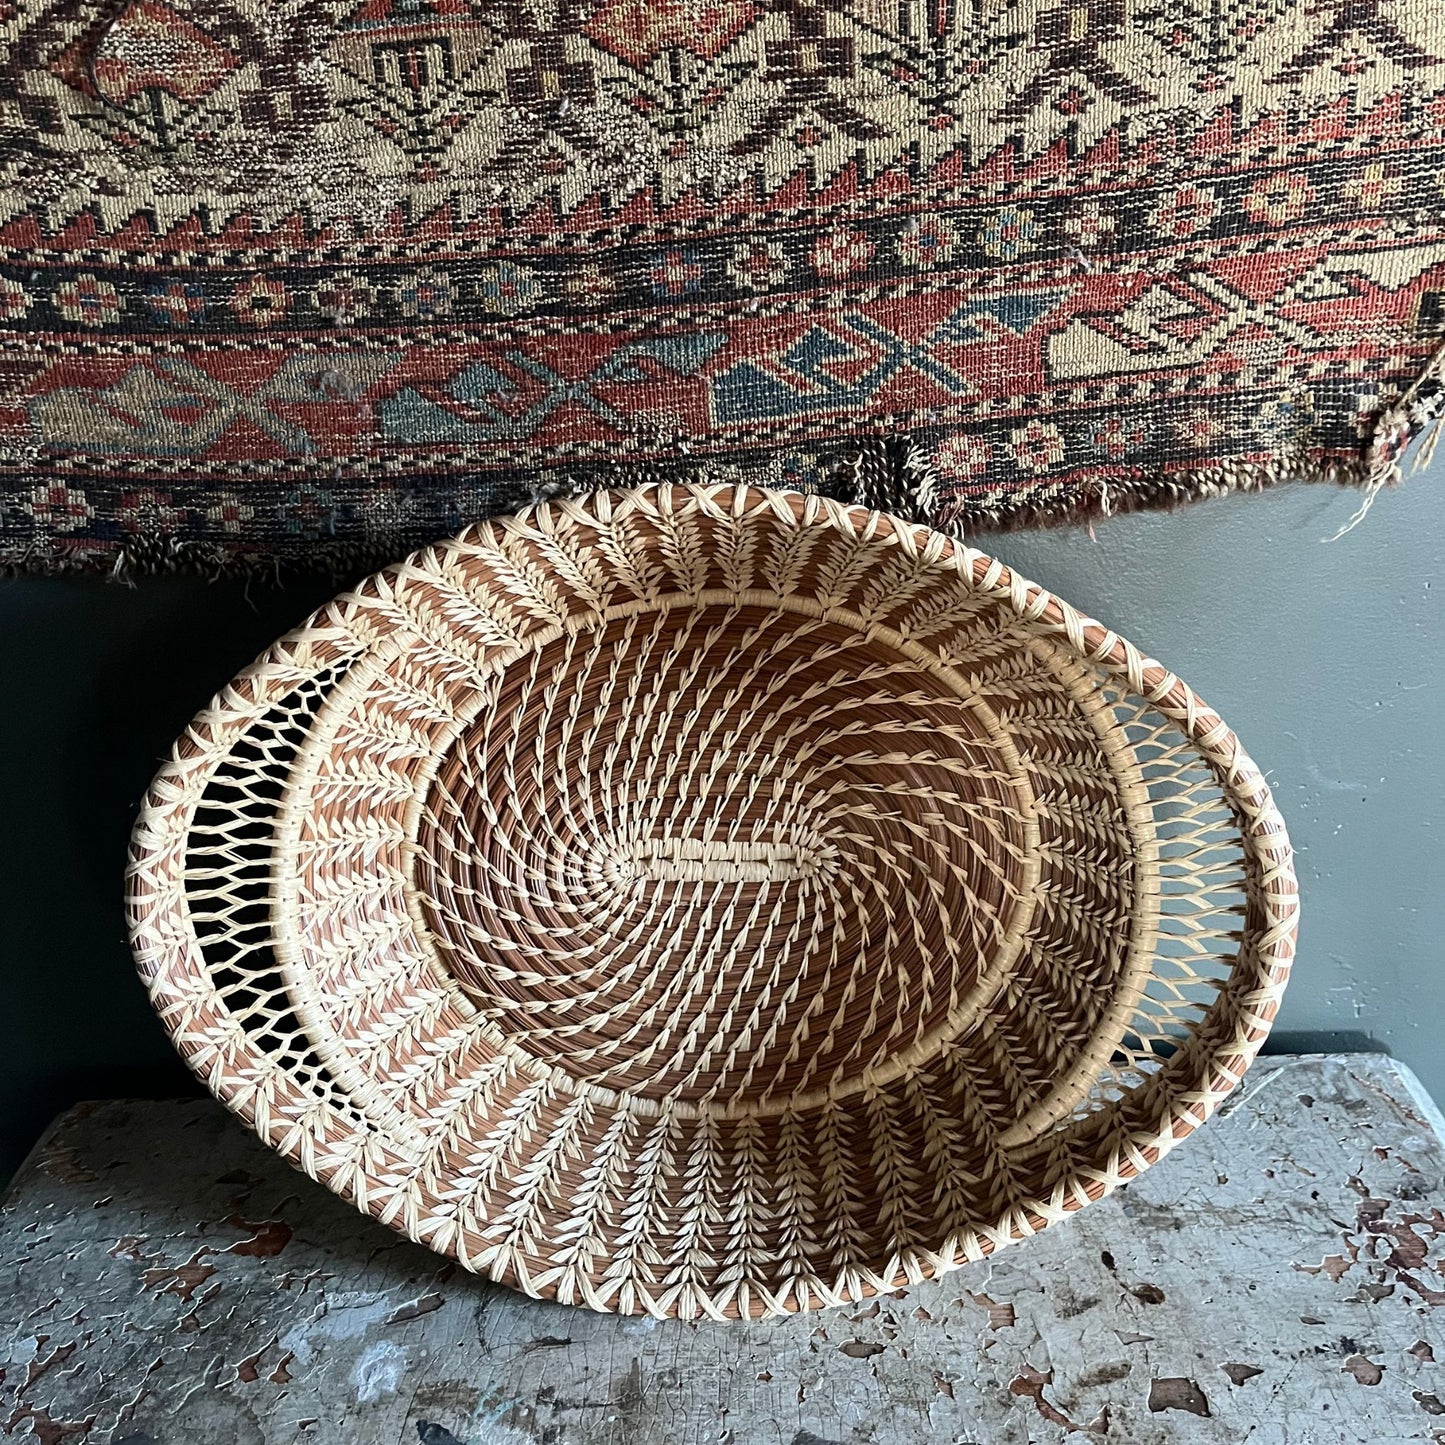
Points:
[(712, 902)]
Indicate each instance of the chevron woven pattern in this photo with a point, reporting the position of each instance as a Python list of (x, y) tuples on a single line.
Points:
[(712, 902)]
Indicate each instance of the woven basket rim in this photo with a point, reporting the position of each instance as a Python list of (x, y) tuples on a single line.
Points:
[(164, 819)]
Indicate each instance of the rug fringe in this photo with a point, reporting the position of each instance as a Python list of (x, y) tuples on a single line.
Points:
[(890, 474), (1410, 417), (343, 563), (1117, 496)]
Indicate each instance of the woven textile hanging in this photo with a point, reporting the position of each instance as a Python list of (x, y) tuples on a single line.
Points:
[(323, 279)]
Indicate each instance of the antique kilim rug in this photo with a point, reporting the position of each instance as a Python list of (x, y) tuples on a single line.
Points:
[(322, 279)]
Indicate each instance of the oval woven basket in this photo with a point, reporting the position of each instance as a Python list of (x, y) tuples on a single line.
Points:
[(712, 902)]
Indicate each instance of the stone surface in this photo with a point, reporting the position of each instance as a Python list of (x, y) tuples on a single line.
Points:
[(1280, 1279)]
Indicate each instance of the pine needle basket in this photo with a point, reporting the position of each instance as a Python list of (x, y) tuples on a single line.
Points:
[(712, 902)]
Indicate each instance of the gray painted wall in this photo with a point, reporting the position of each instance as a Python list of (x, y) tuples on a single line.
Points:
[(1327, 659)]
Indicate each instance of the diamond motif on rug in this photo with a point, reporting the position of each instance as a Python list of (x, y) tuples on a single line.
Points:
[(322, 283), (151, 49), (639, 31)]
